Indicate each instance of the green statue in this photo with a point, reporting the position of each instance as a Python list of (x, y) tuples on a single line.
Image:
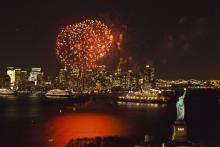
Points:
[(180, 107)]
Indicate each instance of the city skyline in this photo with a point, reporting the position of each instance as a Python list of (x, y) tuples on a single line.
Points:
[(108, 73), (173, 37)]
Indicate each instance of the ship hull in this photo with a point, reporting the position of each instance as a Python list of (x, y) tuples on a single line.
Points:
[(5, 94), (59, 96), (143, 101)]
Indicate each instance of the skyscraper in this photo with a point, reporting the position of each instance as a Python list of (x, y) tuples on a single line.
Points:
[(11, 74), (101, 69), (74, 79), (17, 78), (89, 80), (149, 76), (128, 79), (75, 72), (34, 74), (62, 76), (100, 77), (24, 76), (24, 79), (6, 81)]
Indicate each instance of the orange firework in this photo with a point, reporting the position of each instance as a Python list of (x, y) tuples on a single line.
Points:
[(83, 44)]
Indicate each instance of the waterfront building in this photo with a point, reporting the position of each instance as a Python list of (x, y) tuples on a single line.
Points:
[(88, 80), (116, 82), (75, 72), (74, 79), (109, 78), (134, 82), (62, 77), (129, 79), (24, 79), (11, 74), (123, 81), (149, 77), (17, 78), (100, 78), (24, 75), (34, 74), (41, 80), (6, 82), (101, 69)]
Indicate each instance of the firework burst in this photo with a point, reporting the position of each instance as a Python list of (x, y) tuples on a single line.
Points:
[(82, 44)]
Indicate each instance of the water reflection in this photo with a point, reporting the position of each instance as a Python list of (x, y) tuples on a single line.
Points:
[(63, 128), (8, 97)]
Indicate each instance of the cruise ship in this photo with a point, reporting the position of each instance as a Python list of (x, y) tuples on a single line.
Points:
[(149, 96), (5, 91), (59, 94)]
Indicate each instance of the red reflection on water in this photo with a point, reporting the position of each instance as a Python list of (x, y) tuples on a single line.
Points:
[(67, 127)]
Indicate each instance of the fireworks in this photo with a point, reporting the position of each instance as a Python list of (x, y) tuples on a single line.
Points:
[(83, 44)]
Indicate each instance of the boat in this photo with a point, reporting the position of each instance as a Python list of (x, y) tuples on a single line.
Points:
[(59, 94), (5, 91), (148, 96)]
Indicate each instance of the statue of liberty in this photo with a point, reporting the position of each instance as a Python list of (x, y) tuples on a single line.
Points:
[(180, 107)]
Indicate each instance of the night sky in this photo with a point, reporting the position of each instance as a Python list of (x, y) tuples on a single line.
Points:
[(181, 38)]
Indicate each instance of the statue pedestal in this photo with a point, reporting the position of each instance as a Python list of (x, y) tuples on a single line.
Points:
[(179, 138), (179, 131)]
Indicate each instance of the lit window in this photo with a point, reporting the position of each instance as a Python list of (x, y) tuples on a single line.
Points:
[(180, 129)]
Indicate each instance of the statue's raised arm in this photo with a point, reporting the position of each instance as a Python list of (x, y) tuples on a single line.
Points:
[(180, 106), (184, 93)]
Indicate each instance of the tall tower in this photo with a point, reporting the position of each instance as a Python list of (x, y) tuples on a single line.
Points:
[(6, 81), (62, 76), (24, 79), (74, 79), (129, 79), (149, 76), (89, 80), (17, 78), (100, 77), (24, 76), (11, 74)]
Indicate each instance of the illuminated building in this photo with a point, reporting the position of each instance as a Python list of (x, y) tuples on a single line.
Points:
[(88, 80), (116, 81), (101, 69), (24, 76), (123, 81), (74, 79), (11, 74), (101, 73), (24, 79), (17, 78), (109, 78), (75, 72), (149, 76), (62, 76), (126, 80), (129, 79), (33, 75), (140, 82), (100, 77), (6, 82), (134, 82), (41, 80)]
